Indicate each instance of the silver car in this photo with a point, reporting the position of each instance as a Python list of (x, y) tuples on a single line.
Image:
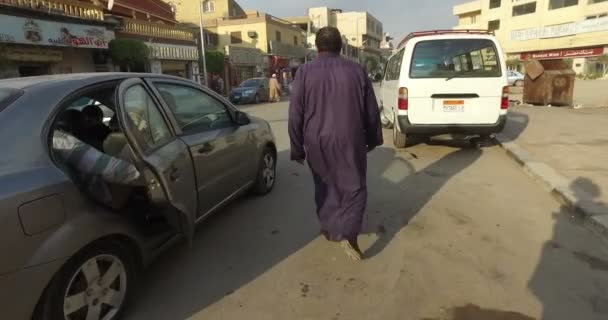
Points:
[(67, 256)]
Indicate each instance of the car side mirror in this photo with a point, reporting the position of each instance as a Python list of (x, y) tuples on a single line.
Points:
[(242, 119)]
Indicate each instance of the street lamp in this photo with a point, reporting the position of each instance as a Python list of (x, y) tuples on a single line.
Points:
[(202, 40)]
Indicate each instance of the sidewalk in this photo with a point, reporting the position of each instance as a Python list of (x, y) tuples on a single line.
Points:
[(567, 150)]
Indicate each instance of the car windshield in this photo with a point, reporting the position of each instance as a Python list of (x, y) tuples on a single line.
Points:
[(7, 96), (447, 58), (251, 83)]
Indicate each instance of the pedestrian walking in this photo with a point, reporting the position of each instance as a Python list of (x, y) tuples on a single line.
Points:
[(333, 123), (274, 86)]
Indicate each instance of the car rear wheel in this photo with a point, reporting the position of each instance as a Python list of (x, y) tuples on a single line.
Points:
[(93, 285), (267, 173), (519, 83), (399, 138)]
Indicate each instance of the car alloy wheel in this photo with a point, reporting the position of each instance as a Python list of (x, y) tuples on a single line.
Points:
[(97, 290), (268, 172)]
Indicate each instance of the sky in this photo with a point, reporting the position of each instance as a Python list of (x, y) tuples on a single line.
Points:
[(399, 17)]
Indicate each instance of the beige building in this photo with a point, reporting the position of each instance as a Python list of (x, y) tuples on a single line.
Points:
[(544, 29), (263, 42), (187, 11), (360, 29)]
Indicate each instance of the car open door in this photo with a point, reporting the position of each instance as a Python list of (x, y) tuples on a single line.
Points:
[(163, 158)]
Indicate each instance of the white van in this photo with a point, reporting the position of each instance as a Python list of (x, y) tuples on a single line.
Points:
[(445, 82)]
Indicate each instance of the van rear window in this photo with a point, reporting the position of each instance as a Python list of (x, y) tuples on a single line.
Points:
[(463, 58)]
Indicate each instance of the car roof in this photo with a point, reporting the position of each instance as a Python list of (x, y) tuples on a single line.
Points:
[(28, 82)]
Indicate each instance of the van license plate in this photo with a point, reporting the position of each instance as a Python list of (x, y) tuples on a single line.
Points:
[(453, 105)]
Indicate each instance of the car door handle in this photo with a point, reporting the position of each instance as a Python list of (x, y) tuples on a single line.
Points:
[(206, 148), (174, 174)]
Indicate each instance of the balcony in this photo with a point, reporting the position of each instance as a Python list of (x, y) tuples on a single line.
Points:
[(70, 8), (156, 30), (467, 8)]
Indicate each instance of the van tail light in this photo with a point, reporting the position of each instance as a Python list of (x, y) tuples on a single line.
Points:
[(504, 101), (403, 103)]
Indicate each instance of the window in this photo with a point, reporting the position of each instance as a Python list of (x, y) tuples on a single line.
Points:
[(211, 38), (236, 37), (278, 36), (393, 67), (145, 117), (556, 4), (494, 25), (596, 16), (522, 9), (295, 41), (470, 58), (494, 4), (208, 6), (194, 110), (473, 19)]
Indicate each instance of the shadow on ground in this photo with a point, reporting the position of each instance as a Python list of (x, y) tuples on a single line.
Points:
[(562, 255), (253, 235)]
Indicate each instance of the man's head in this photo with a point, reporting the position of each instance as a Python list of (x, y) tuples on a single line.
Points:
[(274, 75), (329, 39)]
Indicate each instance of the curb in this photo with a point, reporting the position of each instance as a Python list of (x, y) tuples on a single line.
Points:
[(594, 215)]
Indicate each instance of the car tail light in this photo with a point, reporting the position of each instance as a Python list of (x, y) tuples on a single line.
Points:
[(403, 103), (504, 102)]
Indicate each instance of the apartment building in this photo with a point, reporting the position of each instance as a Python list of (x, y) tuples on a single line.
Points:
[(187, 11), (360, 29), (544, 29)]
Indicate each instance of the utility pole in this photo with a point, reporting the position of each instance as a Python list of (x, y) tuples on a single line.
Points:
[(202, 40)]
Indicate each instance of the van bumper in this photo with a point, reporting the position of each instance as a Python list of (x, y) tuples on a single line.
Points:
[(437, 129)]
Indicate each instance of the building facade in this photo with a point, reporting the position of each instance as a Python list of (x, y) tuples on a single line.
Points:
[(173, 49), (544, 29), (360, 29), (273, 41), (52, 37), (187, 11)]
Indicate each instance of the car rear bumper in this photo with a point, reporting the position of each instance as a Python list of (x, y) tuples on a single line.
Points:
[(21, 290), (436, 129)]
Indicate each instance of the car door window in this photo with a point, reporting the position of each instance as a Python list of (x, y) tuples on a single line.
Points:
[(194, 110), (146, 119)]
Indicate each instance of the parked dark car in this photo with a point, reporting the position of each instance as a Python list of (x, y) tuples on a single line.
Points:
[(66, 256), (254, 90)]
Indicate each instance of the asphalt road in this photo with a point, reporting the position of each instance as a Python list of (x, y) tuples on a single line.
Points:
[(452, 233)]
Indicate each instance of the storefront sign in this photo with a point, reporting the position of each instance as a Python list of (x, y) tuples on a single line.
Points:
[(34, 54), (172, 52), (566, 53), (50, 33), (561, 30)]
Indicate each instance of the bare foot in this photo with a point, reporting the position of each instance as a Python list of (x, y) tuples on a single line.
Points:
[(352, 250)]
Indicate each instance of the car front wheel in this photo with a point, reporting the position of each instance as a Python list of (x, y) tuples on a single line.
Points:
[(267, 173), (93, 285)]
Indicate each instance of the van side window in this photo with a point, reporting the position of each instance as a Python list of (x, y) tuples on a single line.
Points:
[(393, 68)]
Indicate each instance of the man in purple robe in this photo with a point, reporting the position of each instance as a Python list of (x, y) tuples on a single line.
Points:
[(334, 122)]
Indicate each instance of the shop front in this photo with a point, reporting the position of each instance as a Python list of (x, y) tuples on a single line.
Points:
[(247, 62), (34, 47), (176, 60)]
